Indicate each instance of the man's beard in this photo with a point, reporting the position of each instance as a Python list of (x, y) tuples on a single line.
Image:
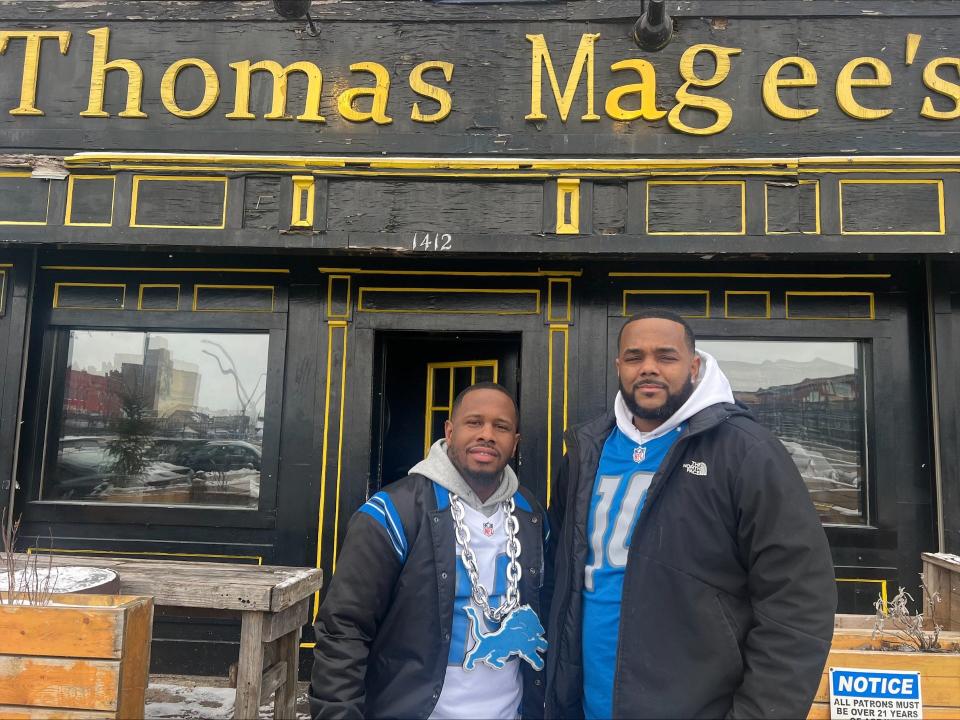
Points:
[(673, 402)]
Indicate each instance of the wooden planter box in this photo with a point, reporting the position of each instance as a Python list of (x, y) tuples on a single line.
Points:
[(941, 574), (939, 672), (82, 656)]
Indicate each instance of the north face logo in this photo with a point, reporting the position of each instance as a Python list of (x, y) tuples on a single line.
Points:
[(696, 468)]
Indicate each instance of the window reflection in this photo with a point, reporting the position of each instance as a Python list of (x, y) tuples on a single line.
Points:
[(159, 418), (810, 394)]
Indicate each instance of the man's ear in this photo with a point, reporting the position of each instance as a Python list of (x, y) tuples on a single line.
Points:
[(447, 430), (516, 444), (695, 367)]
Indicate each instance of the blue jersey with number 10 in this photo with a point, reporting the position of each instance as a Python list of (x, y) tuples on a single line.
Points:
[(619, 491)]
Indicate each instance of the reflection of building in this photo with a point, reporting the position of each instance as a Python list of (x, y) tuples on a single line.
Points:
[(826, 410), (90, 394), (165, 387)]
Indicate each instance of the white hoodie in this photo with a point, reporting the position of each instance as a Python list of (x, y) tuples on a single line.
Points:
[(711, 388)]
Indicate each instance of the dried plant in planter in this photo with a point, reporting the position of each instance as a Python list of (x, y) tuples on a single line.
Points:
[(900, 629), (32, 582)]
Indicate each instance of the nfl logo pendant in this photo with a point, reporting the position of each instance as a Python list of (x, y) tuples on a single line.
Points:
[(639, 453), (488, 529)]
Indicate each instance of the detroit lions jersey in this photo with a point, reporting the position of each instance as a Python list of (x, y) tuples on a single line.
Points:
[(619, 492), (483, 692)]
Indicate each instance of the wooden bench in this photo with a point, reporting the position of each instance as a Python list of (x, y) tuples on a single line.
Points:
[(272, 601)]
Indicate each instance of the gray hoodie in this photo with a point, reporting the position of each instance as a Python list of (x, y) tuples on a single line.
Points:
[(437, 467), (712, 388)]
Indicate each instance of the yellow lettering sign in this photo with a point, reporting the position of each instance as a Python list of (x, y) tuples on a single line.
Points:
[(772, 82), (720, 108), (168, 88), (380, 94), (541, 58), (846, 82), (422, 87), (98, 79), (278, 108), (943, 87), (646, 89), (31, 63)]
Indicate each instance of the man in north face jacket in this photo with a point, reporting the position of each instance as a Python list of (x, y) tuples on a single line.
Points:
[(692, 576)]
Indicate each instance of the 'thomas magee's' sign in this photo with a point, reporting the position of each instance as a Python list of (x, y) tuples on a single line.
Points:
[(728, 88)]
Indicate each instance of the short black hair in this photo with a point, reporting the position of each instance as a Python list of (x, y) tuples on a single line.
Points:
[(688, 335), (485, 385)]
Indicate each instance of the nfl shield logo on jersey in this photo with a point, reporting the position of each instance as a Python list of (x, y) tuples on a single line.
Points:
[(488, 529), (639, 453)]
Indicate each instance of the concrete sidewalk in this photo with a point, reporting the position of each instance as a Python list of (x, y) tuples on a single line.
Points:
[(199, 697)]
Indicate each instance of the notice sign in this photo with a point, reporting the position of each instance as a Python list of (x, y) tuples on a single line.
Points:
[(874, 694)]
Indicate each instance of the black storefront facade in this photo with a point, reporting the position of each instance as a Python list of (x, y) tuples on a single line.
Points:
[(244, 269)]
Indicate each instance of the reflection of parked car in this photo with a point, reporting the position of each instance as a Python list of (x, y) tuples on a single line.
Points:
[(86, 471), (218, 455)]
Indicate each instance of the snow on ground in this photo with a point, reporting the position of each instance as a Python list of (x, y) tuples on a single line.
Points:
[(202, 698)]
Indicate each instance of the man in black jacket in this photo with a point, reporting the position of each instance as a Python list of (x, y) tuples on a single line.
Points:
[(433, 610), (692, 576)]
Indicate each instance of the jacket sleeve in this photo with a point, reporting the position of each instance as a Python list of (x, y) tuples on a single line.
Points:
[(555, 517), (358, 598), (791, 584)]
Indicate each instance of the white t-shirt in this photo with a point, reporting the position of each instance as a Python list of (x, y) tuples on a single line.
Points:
[(482, 692)]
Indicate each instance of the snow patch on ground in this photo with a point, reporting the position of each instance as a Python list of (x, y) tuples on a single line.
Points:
[(182, 697)]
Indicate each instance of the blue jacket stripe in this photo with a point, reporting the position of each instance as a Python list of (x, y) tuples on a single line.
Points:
[(380, 507), (443, 496), (521, 502)]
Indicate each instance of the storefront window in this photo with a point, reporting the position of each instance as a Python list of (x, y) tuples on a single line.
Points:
[(810, 394), (158, 417)]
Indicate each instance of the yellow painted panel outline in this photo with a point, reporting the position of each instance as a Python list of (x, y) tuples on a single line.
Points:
[(670, 293), (198, 288), (302, 206), (941, 209), (157, 285), (810, 293), (883, 585), (71, 182), (56, 295), (564, 332), (816, 211), (144, 179), (705, 183), (46, 215), (482, 291), (332, 327), (331, 280), (726, 304), (568, 308), (568, 206), (151, 553), (3, 289)]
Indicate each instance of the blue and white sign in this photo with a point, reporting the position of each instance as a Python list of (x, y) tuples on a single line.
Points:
[(877, 694)]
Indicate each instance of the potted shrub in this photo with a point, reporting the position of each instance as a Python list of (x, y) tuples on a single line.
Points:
[(896, 639)]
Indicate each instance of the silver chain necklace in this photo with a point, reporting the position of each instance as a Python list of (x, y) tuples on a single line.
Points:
[(511, 600)]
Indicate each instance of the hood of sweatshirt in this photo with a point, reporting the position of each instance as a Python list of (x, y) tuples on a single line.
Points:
[(712, 387), (437, 467)]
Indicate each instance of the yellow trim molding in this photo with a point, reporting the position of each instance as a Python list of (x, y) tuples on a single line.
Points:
[(698, 183)]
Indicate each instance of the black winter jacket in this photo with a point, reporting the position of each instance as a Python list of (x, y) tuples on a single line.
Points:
[(383, 630), (729, 593)]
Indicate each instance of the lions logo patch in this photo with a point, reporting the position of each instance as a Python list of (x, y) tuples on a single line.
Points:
[(520, 634)]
